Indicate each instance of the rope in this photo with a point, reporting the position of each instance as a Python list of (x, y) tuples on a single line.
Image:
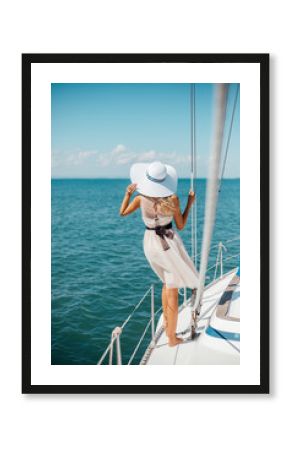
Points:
[(139, 343), (114, 337), (212, 184), (106, 351), (229, 137), (230, 240), (135, 308), (141, 338)]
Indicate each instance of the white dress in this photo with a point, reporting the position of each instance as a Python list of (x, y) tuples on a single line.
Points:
[(173, 266)]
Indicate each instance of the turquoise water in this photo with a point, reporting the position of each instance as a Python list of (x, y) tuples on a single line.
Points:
[(99, 271)]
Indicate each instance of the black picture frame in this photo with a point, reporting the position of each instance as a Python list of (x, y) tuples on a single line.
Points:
[(263, 61)]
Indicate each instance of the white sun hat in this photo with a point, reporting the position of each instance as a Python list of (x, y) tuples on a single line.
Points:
[(154, 179)]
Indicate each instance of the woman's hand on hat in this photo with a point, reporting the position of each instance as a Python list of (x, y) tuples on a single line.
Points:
[(131, 188)]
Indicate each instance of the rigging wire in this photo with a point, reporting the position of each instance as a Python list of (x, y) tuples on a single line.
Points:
[(229, 137), (193, 172)]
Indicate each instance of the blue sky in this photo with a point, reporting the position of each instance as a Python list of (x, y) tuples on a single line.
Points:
[(99, 130)]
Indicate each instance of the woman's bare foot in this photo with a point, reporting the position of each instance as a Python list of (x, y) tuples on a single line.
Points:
[(174, 341)]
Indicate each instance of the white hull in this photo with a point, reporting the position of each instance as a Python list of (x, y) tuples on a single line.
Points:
[(217, 341)]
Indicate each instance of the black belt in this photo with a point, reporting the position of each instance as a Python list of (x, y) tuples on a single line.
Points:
[(161, 231)]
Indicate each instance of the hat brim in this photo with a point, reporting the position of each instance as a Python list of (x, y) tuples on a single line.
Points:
[(150, 188)]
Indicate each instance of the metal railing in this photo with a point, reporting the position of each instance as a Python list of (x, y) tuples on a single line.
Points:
[(220, 257)]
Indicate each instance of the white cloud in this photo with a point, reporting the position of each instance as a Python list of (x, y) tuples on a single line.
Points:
[(103, 160), (128, 158), (55, 159), (86, 154), (147, 156), (119, 156), (119, 149), (66, 159)]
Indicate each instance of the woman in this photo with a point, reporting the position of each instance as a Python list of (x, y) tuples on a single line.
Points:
[(163, 247)]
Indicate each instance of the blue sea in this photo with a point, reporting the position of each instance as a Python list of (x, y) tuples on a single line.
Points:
[(99, 271)]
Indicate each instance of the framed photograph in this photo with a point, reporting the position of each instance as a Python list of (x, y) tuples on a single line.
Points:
[(145, 184)]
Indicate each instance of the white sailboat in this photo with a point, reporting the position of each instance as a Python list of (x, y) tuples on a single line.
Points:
[(209, 319)]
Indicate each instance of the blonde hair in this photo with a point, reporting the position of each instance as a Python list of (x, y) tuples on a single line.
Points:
[(167, 204)]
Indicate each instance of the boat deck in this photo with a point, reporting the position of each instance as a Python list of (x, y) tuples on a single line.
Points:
[(217, 339)]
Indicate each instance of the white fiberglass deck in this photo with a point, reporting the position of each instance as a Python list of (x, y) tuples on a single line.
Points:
[(218, 335)]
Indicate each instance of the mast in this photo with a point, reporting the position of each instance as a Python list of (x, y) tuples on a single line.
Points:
[(221, 92)]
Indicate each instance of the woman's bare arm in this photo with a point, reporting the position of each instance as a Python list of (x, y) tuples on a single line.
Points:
[(179, 217), (126, 207)]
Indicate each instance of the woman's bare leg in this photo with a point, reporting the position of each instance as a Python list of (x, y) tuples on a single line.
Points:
[(164, 307), (172, 315)]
